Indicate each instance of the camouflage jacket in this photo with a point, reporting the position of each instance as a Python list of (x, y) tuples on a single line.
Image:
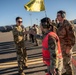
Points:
[(66, 34), (18, 34)]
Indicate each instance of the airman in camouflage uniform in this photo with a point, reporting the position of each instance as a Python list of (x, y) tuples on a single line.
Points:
[(36, 30), (67, 39), (19, 39)]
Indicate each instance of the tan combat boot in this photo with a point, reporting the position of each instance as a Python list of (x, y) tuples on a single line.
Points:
[(25, 65), (22, 73)]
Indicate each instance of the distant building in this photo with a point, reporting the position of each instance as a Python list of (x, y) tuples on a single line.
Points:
[(74, 21), (6, 28)]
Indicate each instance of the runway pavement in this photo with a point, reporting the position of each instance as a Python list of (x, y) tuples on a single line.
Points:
[(8, 60)]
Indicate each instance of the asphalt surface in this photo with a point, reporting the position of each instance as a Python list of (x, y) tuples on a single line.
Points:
[(8, 60)]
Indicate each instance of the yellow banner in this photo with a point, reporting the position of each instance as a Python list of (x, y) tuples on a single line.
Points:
[(35, 5)]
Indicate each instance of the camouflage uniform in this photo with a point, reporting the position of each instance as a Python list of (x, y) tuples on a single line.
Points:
[(19, 39), (54, 24), (67, 40), (36, 30)]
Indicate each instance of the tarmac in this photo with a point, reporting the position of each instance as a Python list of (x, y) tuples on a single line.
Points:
[(8, 59)]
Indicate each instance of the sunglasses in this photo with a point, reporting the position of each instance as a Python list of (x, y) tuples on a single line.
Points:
[(20, 21)]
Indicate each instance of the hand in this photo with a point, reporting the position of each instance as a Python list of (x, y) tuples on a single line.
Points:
[(26, 32), (68, 50), (32, 32), (53, 71)]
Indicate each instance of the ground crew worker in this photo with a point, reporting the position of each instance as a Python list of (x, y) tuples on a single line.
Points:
[(56, 21), (50, 48), (67, 40), (52, 55), (36, 30), (30, 35), (19, 39), (54, 26), (53, 23), (25, 35)]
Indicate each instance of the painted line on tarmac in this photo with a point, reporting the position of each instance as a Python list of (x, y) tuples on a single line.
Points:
[(74, 54), (15, 62), (9, 48), (29, 62)]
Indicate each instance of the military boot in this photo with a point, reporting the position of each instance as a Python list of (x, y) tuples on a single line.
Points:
[(25, 66), (22, 73)]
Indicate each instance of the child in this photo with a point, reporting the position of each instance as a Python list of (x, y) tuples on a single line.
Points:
[(52, 55)]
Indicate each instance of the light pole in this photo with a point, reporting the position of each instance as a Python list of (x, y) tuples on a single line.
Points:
[(31, 18), (37, 20)]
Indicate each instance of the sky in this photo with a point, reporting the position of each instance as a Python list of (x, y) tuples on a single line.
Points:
[(10, 9)]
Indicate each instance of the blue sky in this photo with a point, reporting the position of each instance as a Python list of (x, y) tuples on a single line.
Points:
[(10, 9)]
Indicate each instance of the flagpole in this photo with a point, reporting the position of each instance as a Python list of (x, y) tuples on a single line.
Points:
[(45, 10), (37, 20), (45, 13)]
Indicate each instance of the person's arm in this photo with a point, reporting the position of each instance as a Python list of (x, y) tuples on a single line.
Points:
[(15, 32), (15, 35), (52, 46), (70, 37), (38, 36), (70, 34)]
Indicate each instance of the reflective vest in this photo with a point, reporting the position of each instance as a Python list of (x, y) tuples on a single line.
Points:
[(45, 51)]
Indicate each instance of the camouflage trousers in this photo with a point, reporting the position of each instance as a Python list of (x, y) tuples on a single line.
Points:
[(58, 69), (67, 63), (21, 58), (36, 41)]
